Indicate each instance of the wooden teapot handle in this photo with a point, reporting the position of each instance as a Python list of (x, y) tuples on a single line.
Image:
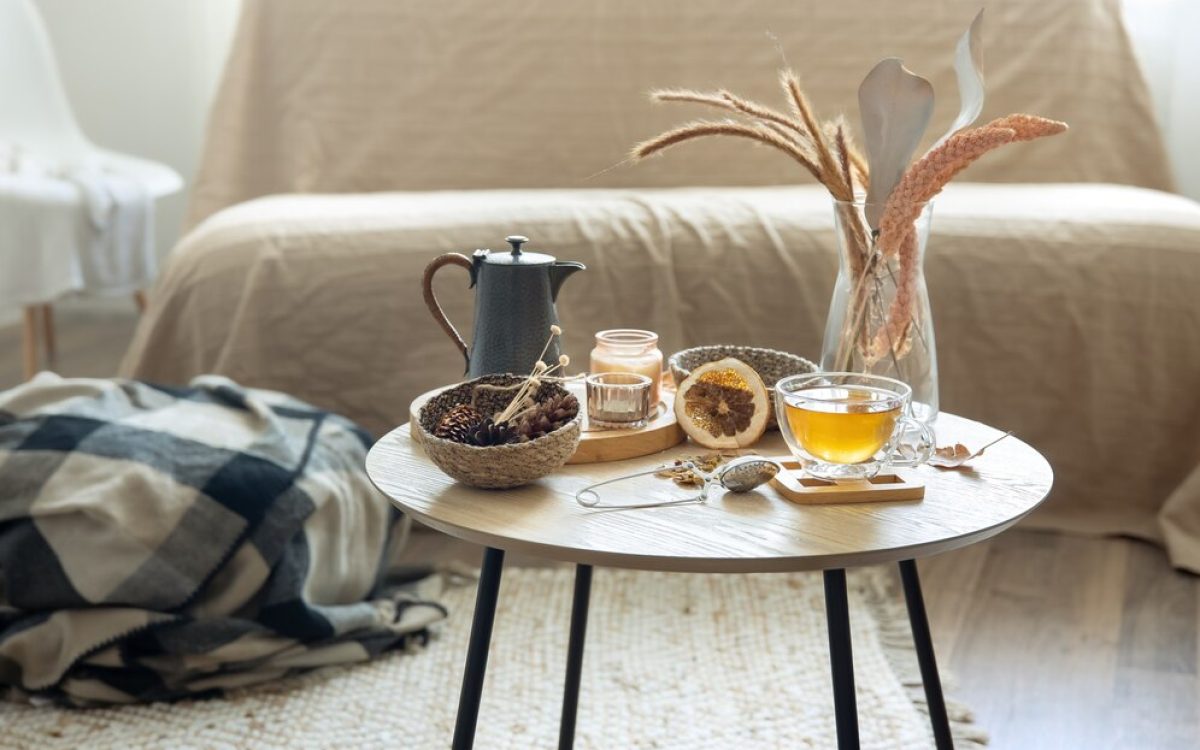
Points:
[(449, 259)]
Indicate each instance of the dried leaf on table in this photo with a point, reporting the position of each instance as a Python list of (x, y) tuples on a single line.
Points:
[(685, 477), (950, 455), (953, 456)]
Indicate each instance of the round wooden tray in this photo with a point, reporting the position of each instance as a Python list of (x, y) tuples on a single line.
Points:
[(595, 446), (661, 433)]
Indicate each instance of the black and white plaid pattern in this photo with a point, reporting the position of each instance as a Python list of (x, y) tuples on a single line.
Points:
[(160, 542)]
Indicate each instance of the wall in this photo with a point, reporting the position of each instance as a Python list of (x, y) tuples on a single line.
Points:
[(140, 75), (1164, 36)]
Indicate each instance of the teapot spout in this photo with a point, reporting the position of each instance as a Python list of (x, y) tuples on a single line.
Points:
[(559, 271)]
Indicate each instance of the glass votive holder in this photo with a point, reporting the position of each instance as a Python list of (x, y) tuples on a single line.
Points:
[(618, 400)]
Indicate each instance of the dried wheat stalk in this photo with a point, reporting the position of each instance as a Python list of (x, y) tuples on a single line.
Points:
[(826, 151), (838, 187), (728, 101), (801, 136), (708, 128)]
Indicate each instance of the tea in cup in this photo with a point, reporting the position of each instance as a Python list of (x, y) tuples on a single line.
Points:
[(848, 426)]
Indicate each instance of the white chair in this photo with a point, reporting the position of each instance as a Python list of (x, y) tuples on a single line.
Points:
[(36, 117)]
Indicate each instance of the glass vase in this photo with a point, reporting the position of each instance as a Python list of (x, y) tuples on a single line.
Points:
[(879, 320)]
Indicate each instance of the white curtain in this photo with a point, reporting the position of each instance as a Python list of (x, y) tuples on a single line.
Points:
[(1166, 38)]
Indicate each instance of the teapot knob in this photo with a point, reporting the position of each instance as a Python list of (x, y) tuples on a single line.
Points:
[(516, 241)]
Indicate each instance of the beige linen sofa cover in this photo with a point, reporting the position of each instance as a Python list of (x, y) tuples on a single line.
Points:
[(1066, 311)]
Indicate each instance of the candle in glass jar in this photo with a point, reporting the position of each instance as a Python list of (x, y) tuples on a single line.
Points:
[(629, 350), (618, 400)]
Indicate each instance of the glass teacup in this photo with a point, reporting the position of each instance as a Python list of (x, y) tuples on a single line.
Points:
[(848, 426)]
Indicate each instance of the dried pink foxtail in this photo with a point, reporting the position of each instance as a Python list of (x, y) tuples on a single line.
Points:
[(920, 183)]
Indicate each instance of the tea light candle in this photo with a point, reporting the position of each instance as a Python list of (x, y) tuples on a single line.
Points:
[(630, 350), (618, 399)]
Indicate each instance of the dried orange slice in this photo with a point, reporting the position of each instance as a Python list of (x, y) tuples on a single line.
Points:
[(723, 404)]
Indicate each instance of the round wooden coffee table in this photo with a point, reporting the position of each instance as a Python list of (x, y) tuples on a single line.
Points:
[(732, 533)]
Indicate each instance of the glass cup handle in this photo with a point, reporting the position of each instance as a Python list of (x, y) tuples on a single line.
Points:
[(925, 446)]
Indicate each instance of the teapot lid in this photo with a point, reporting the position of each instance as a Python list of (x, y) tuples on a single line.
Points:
[(517, 256)]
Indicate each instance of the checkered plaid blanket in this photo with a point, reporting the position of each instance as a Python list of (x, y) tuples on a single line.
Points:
[(157, 543)]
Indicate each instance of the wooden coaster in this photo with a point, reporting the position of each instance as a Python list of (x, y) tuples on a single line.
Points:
[(795, 486)]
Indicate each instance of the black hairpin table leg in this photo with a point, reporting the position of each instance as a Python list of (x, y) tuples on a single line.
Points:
[(925, 657), (841, 660), (579, 616), (477, 651)]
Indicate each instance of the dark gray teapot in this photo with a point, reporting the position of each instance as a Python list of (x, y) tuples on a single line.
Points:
[(514, 306)]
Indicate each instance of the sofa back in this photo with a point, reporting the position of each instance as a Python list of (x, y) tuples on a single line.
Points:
[(370, 95)]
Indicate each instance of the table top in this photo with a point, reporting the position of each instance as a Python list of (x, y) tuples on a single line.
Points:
[(759, 531)]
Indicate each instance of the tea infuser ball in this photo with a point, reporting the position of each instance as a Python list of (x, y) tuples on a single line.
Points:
[(747, 473)]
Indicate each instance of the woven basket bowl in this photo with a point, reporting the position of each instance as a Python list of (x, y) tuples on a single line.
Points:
[(771, 365), (498, 466)]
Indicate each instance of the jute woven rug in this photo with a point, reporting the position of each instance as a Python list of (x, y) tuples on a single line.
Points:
[(672, 661)]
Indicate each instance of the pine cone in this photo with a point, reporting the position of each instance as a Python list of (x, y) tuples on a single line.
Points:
[(489, 433), (550, 415), (458, 423)]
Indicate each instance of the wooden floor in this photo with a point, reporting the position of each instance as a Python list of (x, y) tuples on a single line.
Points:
[(1056, 641)]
